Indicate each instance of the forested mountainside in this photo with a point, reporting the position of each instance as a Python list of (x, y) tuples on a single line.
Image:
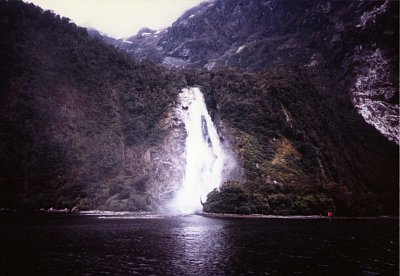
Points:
[(353, 44), (82, 123), (75, 114), (303, 148)]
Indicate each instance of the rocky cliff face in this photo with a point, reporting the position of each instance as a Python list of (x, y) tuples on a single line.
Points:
[(351, 43), (375, 91)]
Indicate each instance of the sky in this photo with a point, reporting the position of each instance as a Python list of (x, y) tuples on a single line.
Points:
[(119, 18)]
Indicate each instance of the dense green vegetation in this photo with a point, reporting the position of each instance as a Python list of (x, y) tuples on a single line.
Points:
[(77, 116), (304, 148)]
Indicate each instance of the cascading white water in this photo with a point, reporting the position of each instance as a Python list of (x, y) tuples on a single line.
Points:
[(204, 154)]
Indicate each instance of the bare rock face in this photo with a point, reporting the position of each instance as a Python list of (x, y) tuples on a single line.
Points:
[(375, 93), (166, 161)]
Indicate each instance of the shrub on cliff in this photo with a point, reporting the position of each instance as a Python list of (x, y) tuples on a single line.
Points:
[(233, 198)]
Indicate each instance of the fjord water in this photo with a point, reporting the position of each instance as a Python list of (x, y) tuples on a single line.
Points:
[(204, 154), (62, 244)]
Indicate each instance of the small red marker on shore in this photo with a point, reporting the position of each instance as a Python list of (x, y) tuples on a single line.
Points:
[(330, 214)]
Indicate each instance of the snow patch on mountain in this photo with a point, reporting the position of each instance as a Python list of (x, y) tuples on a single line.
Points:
[(240, 49), (210, 65), (370, 16)]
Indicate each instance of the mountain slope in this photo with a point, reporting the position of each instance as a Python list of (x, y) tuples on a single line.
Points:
[(75, 115), (354, 43), (84, 125), (301, 145)]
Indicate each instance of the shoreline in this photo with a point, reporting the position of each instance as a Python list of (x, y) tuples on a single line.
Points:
[(149, 214), (259, 216)]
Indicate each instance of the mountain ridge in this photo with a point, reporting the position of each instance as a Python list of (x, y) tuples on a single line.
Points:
[(340, 39)]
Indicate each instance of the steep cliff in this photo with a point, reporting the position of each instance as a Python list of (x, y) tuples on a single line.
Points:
[(85, 125)]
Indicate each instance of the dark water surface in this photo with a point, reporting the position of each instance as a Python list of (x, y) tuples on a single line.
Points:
[(61, 244)]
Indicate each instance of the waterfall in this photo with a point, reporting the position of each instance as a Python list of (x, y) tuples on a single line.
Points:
[(203, 153)]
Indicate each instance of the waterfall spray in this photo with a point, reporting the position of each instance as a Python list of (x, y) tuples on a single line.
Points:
[(203, 152)]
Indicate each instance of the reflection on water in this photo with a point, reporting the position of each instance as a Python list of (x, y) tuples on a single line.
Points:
[(149, 244), (196, 237)]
